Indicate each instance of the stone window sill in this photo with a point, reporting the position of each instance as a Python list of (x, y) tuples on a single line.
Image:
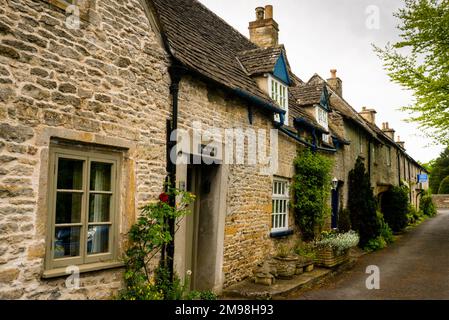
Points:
[(61, 272), (281, 234), (62, 4)]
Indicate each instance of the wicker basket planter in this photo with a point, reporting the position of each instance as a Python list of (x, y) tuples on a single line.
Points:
[(326, 257)]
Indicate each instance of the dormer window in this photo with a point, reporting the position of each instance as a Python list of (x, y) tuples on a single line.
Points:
[(322, 119), (279, 93)]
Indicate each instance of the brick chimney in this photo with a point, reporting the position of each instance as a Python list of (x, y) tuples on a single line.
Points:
[(264, 31), (388, 131), (335, 83), (369, 115), (400, 143)]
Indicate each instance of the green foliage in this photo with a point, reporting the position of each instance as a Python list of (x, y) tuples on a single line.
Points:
[(420, 62), (339, 242), (385, 237), (439, 170), (414, 216), (444, 186), (306, 250), (311, 186), (344, 221), (375, 244), (148, 236), (362, 204), (394, 207), (427, 206), (385, 231), (283, 250)]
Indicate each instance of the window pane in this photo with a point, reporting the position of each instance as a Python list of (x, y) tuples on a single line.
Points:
[(99, 207), (68, 207), (100, 176), (97, 239), (272, 206), (67, 242), (70, 174)]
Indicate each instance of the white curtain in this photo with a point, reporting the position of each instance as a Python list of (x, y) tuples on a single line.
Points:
[(100, 202)]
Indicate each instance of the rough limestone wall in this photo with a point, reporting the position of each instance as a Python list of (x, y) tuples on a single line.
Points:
[(106, 83), (248, 205), (441, 201)]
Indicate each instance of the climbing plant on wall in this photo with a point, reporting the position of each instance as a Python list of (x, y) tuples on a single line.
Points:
[(147, 238), (311, 186)]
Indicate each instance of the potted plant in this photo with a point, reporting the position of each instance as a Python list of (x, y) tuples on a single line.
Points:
[(306, 254), (333, 248), (285, 262)]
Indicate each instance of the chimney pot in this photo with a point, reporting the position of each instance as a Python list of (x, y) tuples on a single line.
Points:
[(260, 13), (369, 115), (269, 12), (333, 73), (401, 143), (264, 32), (335, 83), (388, 131)]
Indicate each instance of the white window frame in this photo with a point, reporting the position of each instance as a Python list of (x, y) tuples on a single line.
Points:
[(280, 205), (278, 91), (322, 118)]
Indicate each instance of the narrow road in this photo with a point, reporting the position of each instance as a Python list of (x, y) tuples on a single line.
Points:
[(414, 267)]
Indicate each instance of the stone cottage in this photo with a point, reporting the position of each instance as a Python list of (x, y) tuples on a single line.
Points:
[(87, 98)]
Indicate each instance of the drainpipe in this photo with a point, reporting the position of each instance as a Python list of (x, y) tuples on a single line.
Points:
[(399, 168), (410, 181), (369, 159), (176, 72)]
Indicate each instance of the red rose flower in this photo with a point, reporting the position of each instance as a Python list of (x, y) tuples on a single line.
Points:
[(163, 197)]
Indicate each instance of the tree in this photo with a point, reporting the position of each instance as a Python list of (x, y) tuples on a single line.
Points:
[(426, 205), (362, 204), (395, 203), (311, 187), (439, 170), (444, 186), (420, 62)]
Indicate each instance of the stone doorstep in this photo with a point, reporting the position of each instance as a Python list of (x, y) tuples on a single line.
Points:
[(247, 289)]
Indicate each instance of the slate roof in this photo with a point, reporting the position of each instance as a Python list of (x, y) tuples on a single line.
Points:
[(296, 111), (334, 132), (307, 94), (310, 93), (205, 43), (260, 60)]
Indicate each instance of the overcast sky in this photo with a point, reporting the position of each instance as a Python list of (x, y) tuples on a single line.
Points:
[(323, 34)]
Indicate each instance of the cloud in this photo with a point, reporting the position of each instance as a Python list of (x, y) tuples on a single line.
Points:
[(324, 34)]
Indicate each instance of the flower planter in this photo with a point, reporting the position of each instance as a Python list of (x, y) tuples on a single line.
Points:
[(286, 266), (326, 257)]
